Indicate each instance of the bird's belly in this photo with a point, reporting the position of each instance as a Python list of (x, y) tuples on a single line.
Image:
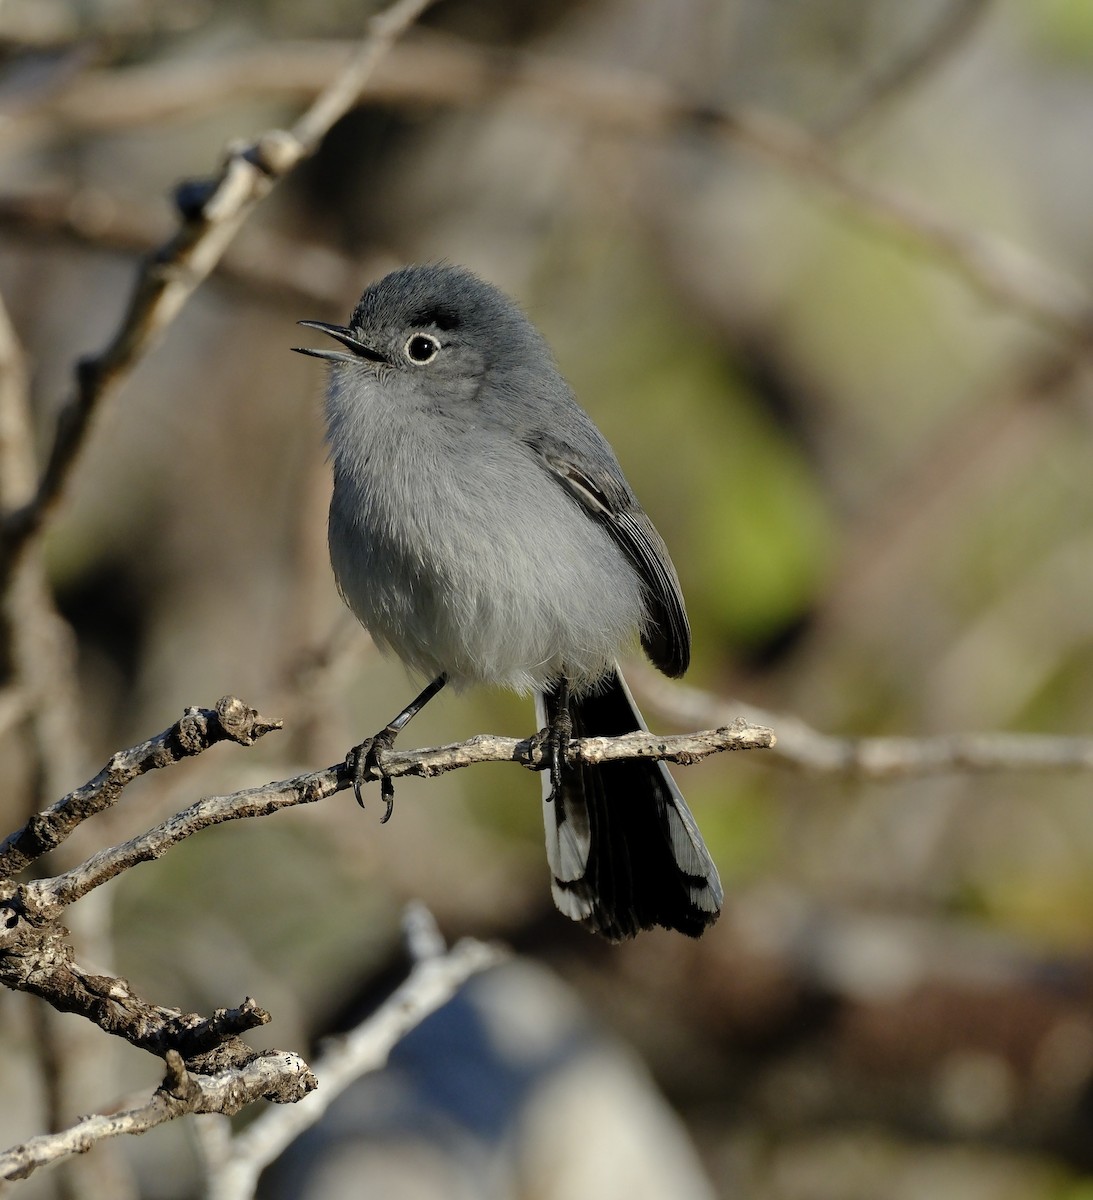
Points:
[(498, 578)]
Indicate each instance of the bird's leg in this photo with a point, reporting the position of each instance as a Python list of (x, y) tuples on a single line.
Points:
[(365, 760), (555, 738)]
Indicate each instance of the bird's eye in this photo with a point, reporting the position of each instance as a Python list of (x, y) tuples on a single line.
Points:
[(421, 348)]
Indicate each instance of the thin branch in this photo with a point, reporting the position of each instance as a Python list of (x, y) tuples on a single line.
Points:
[(276, 1075), (42, 900), (198, 729), (435, 71), (213, 212), (879, 758), (339, 97), (35, 955), (434, 980)]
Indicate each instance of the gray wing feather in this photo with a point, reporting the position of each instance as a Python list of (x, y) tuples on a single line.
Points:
[(602, 490)]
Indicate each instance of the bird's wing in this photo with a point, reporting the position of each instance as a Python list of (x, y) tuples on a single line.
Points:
[(600, 487)]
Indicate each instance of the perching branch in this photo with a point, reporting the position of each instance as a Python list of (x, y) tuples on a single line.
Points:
[(34, 953), (212, 211), (44, 899), (210, 1069)]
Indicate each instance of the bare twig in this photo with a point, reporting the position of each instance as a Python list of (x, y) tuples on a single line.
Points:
[(213, 212), (275, 1075), (433, 981), (199, 728), (35, 956), (878, 757), (421, 933)]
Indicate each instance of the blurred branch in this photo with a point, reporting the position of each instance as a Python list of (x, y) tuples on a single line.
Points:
[(38, 658), (1003, 272), (968, 458), (213, 211), (441, 71), (276, 1075), (317, 674), (437, 975), (16, 431), (36, 655), (877, 757), (947, 33), (60, 25), (264, 262), (1030, 631)]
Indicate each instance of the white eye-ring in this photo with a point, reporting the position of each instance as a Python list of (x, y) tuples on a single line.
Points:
[(421, 348)]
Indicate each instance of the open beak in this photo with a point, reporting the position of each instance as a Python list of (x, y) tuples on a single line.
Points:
[(357, 349)]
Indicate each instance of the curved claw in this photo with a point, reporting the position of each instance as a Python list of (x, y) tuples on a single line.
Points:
[(554, 742), (387, 795), (357, 762), (364, 761)]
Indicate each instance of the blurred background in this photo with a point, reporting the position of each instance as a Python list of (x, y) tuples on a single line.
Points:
[(875, 483)]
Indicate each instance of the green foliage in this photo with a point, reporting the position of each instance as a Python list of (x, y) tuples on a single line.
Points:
[(1064, 28)]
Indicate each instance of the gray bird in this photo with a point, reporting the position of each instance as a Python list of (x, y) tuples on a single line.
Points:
[(481, 528)]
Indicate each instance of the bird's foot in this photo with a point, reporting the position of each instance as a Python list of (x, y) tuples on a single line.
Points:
[(553, 742), (366, 764)]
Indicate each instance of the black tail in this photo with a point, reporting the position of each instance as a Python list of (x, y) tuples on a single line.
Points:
[(623, 847)]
